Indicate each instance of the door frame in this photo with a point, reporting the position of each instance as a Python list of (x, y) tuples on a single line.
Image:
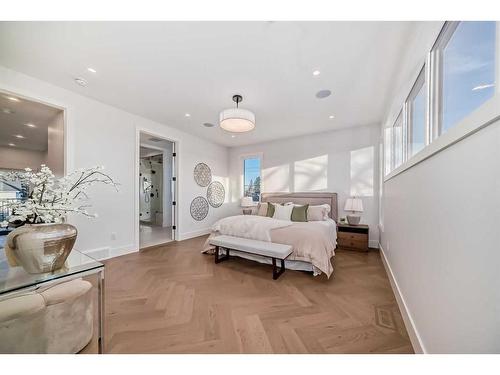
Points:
[(175, 173)]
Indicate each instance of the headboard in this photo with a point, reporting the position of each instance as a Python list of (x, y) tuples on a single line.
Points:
[(313, 198)]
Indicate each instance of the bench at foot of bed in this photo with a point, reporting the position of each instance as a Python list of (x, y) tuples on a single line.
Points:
[(275, 251)]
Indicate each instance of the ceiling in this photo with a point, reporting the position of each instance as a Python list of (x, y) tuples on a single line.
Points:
[(145, 152), (163, 70), (22, 112)]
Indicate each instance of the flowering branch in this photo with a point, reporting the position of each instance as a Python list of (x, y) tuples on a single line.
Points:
[(50, 198)]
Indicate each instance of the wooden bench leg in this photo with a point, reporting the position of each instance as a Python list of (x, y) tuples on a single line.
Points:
[(277, 273), (218, 257)]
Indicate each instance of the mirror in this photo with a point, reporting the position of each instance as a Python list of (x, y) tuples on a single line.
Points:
[(31, 134)]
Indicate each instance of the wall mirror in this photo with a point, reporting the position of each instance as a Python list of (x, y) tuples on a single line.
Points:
[(31, 134)]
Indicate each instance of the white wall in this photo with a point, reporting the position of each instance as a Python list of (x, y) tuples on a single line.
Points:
[(343, 161), (439, 235), (98, 134), (441, 240)]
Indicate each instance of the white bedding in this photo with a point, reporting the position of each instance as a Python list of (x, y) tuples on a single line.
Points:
[(249, 226), (313, 243)]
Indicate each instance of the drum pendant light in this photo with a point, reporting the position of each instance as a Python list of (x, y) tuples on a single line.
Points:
[(237, 120)]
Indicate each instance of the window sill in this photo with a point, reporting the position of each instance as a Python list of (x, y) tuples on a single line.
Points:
[(486, 115)]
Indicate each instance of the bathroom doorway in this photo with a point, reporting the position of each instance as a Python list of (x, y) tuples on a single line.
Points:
[(156, 191)]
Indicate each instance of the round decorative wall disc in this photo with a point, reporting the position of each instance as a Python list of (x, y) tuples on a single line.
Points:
[(199, 208), (216, 194), (202, 174)]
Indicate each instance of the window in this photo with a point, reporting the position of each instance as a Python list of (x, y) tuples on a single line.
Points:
[(251, 178), (10, 191), (461, 70), (466, 52), (397, 142), (417, 109), (387, 150)]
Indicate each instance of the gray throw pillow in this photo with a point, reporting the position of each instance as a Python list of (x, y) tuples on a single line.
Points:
[(299, 213), (270, 210)]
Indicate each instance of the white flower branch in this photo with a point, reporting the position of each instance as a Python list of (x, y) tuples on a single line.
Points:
[(50, 198)]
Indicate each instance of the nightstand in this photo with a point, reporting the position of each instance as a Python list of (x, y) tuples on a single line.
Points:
[(352, 237)]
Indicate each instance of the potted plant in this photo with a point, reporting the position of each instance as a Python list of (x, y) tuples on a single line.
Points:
[(42, 240)]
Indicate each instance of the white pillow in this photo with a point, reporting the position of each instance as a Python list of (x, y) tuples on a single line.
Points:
[(327, 207), (283, 212), (318, 213)]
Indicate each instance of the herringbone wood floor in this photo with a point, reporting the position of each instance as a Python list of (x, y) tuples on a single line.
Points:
[(173, 299)]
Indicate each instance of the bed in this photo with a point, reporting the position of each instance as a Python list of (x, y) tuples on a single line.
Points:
[(313, 242)]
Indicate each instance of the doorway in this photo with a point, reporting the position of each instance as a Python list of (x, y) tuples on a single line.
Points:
[(156, 190)]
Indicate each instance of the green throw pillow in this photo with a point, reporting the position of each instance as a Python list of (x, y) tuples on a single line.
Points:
[(299, 213), (270, 210)]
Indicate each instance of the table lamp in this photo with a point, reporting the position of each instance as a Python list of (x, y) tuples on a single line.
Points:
[(247, 202), (353, 205)]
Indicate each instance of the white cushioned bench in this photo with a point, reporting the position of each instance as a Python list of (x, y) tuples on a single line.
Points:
[(262, 248)]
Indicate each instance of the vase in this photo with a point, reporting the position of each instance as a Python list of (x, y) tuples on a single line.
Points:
[(40, 248)]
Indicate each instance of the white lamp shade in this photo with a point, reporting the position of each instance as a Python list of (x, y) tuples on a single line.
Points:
[(237, 120), (353, 204), (246, 202)]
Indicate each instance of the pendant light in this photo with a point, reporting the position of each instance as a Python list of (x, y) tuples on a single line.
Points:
[(237, 120)]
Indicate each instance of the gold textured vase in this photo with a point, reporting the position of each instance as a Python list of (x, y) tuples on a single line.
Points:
[(40, 248)]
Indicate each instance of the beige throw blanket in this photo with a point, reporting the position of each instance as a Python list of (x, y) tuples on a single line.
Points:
[(313, 242)]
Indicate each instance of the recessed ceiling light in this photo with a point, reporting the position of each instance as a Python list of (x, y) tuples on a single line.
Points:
[(316, 73), (208, 125), (80, 81), (187, 115), (7, 111), (12, 98), (331, 117), (19, 136), (30, 125), (323, 94), (92, 70), (11, 144), (233, 136)]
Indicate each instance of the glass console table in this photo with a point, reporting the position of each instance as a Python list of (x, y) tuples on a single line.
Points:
[(15, 279)]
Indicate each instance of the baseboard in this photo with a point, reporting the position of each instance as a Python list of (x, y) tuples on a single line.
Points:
[(100, 253), (123, 250), (193, 234), (415, 338), (103, 253)]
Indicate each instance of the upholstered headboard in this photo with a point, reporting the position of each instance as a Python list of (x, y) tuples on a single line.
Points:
[(313, 198)]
